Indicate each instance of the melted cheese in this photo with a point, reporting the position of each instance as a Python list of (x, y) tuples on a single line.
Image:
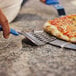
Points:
[(64, 28)]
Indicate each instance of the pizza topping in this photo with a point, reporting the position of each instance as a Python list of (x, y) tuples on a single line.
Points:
[(66, 25)]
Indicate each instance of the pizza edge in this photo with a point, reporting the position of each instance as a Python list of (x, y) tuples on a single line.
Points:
[(51, 29)]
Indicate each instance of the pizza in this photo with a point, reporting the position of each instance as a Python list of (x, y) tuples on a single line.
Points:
[(63, 28)]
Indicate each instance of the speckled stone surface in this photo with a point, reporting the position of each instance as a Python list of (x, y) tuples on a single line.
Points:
[(18, 58)]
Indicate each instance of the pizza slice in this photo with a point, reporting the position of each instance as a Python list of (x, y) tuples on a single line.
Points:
[(63, 28)]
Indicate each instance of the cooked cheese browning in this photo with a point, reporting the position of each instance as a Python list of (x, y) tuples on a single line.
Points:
[(64, 27)]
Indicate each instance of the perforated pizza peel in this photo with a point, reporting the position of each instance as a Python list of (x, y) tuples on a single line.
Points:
[(41, 38)]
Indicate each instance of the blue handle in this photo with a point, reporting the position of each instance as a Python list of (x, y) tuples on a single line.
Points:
[(52, 2), (58, 7), (12, 31)]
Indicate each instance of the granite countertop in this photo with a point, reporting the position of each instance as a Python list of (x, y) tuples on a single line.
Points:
[(19, 58)]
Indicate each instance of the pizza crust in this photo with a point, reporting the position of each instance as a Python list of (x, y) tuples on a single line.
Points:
[(51, 29), (73, 39)]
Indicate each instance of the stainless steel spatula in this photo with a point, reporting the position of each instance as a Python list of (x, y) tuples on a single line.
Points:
[(42, 38)]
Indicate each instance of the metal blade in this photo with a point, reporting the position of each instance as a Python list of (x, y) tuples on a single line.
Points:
[(59, 43), (41, 38), (70, 46), (33, 39), (63, 44)]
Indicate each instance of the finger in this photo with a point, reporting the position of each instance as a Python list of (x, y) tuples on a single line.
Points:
[(5, 25)]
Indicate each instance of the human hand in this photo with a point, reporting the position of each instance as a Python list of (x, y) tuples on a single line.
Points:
[(4, 24)]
